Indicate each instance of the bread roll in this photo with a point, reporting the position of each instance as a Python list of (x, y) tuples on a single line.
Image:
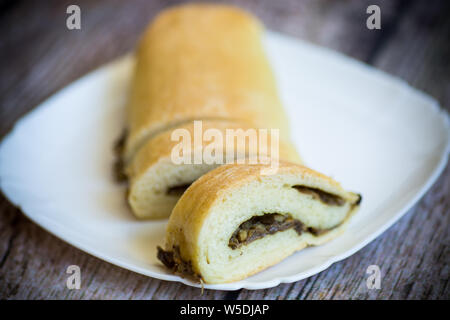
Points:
[(201, 62), (195, 62), (234, 222), (156, 181)]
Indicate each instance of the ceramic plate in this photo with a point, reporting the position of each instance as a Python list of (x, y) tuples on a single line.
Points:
[(373, 133)]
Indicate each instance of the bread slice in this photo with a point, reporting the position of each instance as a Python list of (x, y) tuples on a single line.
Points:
[(156, 181), (234, 221)]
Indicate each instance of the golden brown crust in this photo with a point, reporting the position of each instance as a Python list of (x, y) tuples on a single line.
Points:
[(201, 61)]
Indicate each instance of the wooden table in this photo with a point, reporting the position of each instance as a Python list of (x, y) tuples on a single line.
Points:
[(39, 56)]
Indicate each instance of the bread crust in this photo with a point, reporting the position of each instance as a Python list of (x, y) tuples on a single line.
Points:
[(201, 61)]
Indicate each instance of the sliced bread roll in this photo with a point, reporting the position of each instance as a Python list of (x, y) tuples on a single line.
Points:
[(157, 180), (234, 221), (194, 62)]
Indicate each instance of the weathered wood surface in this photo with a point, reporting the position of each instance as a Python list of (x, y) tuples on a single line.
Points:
[(39, 56)]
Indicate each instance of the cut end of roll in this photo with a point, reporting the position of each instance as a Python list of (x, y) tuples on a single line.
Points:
[(234, 222), (156, 182)]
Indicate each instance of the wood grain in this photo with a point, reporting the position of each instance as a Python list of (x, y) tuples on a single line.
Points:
[(39, 56)]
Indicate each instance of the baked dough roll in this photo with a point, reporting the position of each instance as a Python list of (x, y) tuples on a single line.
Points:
[(157, 180), (195, 62), (199, 62), (234, 222)]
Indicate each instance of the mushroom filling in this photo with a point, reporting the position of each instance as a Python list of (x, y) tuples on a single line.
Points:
[(325, 197), (258, 227), (178, 190), (119, 165), (173, 261)]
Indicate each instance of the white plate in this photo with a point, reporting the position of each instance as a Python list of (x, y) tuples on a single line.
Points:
[(373, 133)]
